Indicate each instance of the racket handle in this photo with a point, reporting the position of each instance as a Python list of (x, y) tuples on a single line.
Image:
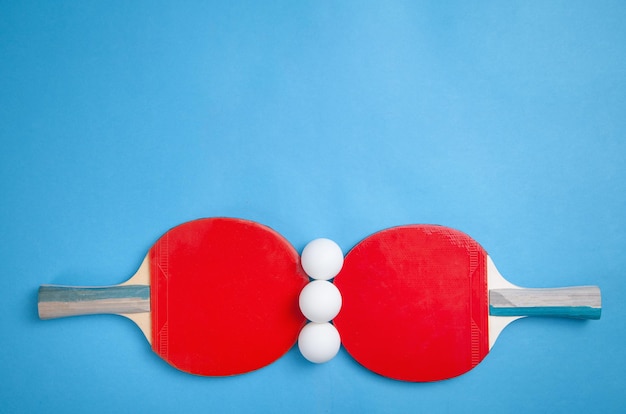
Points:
[(582, 302), (60, 301)]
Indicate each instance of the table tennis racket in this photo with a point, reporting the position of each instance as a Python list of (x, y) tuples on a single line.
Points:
[(426, 303), (214, 297)]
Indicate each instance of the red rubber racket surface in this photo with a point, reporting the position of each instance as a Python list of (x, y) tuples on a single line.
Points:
[(224, 296), (415, 303)]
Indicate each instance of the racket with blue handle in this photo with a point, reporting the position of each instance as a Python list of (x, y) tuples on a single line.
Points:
[(426, 303), (214, 297)]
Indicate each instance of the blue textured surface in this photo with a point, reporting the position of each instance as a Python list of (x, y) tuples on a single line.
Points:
[(119, 120), (80, 294), (578, 312)]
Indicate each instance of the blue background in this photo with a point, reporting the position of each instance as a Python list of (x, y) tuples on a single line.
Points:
[(119, 120)]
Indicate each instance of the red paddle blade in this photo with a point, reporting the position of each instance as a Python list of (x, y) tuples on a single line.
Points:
[(224, 296), (415, 303)]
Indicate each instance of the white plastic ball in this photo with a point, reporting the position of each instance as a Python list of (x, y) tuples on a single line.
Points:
[(319, 342), (320, 301), (322, 259)]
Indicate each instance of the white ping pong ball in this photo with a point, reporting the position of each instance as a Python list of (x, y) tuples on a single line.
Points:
[(320, 301), (322, 259), (319, 342)]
